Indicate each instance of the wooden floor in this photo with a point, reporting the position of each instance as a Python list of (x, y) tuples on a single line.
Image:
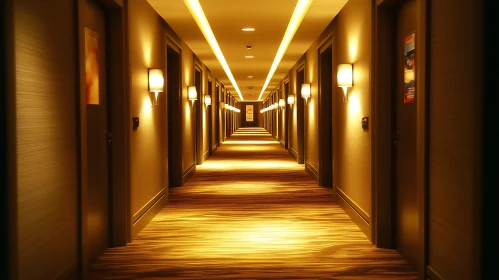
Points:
[(251, 212)]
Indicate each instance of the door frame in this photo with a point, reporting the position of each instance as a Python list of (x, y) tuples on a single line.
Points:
[(287, 112), (198, 110), (209, 114), (217, 113), (300, 115), (382, 187), (117, 77), (325, 177), (174, 158), (8, 161)]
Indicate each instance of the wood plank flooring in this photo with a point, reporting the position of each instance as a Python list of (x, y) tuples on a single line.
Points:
[(251, 212)]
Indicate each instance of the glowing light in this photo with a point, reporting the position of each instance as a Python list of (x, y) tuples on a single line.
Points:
[(295, 21), (248, 29), (198, 14)]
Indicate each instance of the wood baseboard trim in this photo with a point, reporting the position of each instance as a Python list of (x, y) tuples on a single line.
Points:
[(187, 174), (356, 213), (432, 274), (283, 144), (152, 208), (206, 155), (214, 148), (312, 171), (293, 153)]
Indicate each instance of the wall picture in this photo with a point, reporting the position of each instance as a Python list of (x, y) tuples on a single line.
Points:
[(249, 113), (410, 68), (92, 66)]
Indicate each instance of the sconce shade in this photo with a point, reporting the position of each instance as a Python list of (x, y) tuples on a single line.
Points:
[(226, 106), (207, 100), (282, 103), (156, 81), (291, 99), (192, 93), (345, 75), (305, 91), (276, 105)]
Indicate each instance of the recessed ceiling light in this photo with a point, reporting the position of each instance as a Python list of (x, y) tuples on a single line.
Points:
[(249, 56), (250, 77), (248, 29)]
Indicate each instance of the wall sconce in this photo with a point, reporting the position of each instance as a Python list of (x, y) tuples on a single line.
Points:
[(226, 106), (345, 78), (207, 100), (282, 103), (305, 92), (156, 83), (291, 100), (276, 106), (192, 94), (222, 105)]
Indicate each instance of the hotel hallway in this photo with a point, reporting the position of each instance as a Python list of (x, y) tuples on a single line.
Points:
[(251, 212)]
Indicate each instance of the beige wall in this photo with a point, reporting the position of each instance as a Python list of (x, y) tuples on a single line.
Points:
[(148, 143), (352, 145), (311, 123), (188, 113), (293, 134), (204, 110), (45, 157), (455, 156)]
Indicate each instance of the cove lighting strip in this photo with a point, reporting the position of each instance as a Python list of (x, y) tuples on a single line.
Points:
[(198, 14), (295, 21)]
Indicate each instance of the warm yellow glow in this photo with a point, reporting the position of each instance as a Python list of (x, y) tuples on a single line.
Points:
[(282, 103), (207, 100), (156, 81), (345, 75), (198, 14), (249, 56), (250, 142), (306, 91), (248, 29), (295, 21), (291, 99), (192, 93)]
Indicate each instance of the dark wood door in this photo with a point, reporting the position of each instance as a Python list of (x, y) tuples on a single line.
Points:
[(210, 117), (300, 115), (197, 107), (98, 214), (404, 137), (217, 115), (325, 117), (174, 117)]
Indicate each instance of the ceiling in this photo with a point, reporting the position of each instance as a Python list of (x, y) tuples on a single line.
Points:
[(270, 19)]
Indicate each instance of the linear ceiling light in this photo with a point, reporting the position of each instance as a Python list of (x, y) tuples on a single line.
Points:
[(295, 21), (200, 18)]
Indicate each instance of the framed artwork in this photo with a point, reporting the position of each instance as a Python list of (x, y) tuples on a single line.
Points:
[(92, 66), (249, 113), (410, 68)]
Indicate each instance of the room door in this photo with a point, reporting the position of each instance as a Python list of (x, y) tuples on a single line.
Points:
[(404, 133)]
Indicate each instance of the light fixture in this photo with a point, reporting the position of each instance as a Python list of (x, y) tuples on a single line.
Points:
[(282, 103), (222, 105), (301, 9), (306, 92), (248, 29), (192, 94), (226, 106), (198, 14), (291, 100), (276, 106), (250, 77), (345, 78), (207, 100), (156, 83), (249, 56)]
